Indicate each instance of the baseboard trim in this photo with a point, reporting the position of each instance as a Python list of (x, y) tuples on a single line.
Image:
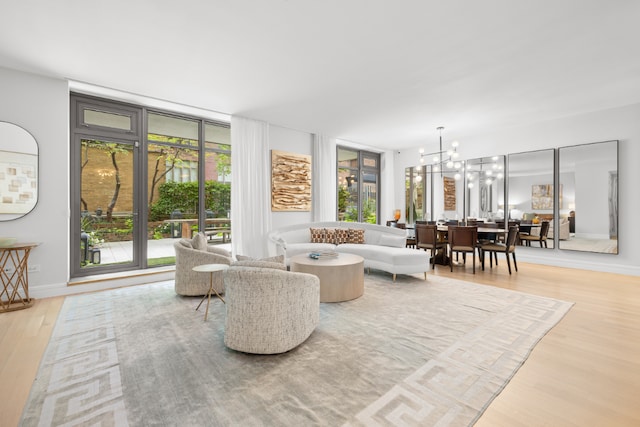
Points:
[(102, 282)]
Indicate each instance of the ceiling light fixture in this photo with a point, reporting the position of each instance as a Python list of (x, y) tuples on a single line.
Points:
[(442, 158)]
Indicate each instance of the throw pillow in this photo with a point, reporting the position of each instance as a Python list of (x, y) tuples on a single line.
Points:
[(342, 236), (317, 235), (199, 242), (330, 235), (393, 241), (356, 235)]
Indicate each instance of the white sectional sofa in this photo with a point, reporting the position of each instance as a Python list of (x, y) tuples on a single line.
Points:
[(384, 248)]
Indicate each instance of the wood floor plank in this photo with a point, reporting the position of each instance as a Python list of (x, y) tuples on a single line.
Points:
[(25, 335), (584, 372)]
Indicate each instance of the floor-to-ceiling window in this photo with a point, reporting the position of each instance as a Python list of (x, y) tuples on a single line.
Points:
[(140, 179), (358, 185)]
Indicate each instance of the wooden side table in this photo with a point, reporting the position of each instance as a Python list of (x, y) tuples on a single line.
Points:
[(15, 282), (209, 268), (341, 278)]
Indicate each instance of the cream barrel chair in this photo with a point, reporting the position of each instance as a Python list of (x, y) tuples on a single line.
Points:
[(269, 310), (194, 252)]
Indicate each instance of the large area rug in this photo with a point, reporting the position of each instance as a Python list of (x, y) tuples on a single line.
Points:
[(409, 353)]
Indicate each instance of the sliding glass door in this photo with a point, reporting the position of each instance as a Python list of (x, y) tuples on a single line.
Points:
[(141, 179), (105, 210), (172, 179), (358, 185)]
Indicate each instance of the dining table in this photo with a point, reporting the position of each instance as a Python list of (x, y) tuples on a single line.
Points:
[(484, 233)]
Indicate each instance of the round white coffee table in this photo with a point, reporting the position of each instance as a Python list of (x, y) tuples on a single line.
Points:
[(341, 278), (209, 268)]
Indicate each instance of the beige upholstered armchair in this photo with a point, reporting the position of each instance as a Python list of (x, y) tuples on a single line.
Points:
[(563, 233), (193, 252), (269, 310)]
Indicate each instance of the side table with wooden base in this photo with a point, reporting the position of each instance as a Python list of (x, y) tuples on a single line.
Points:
[(209, 268), (14, 276), (341, 278)]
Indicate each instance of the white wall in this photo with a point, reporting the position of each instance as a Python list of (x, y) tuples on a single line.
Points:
[(622, 124), (592, 190), (302, 143), (297, 142), (41, 106)]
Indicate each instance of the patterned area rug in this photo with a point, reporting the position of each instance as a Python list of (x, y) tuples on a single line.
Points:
[(409, 353)]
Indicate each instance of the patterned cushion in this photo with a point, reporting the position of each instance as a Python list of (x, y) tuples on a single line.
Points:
[(342, 236), (317, 235), (199, 242), (330, 235), (356, 235)]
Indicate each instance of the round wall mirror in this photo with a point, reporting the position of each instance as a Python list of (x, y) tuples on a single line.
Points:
[(18, 172)]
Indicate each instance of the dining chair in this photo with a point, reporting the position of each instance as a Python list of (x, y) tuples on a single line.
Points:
[(542, 238), (507, 248), (411, 241), (427, 238), (485, 237), (463, 239)]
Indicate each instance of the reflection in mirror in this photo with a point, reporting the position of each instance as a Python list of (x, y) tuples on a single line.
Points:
[(589, 180), (415, 194), (484, 181), (18, 172), (447, 195), (532, 196)]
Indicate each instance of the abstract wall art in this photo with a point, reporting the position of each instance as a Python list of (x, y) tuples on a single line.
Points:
[(290, 182)]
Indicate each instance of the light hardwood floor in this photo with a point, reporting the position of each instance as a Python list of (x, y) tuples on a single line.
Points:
[(584, 372)]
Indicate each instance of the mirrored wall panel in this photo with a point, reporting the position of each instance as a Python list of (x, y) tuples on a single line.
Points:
[(532, 196), (415, 194), (589, 182), (485, 189), (18, 172), (447, 189)]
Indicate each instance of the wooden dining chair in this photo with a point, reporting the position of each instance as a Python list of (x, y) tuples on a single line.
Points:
[(507, 248), (427, 239), (541, 239), (463, 240)]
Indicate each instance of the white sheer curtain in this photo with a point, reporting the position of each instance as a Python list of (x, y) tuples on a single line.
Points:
[(324, 178), (390, 199), (250, 187)]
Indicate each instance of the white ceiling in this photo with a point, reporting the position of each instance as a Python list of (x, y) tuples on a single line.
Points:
[(377, 72)]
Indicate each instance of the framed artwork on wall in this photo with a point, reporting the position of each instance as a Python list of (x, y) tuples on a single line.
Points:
[(542, 197), (18, 182), (449, 185), (290, 182)]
